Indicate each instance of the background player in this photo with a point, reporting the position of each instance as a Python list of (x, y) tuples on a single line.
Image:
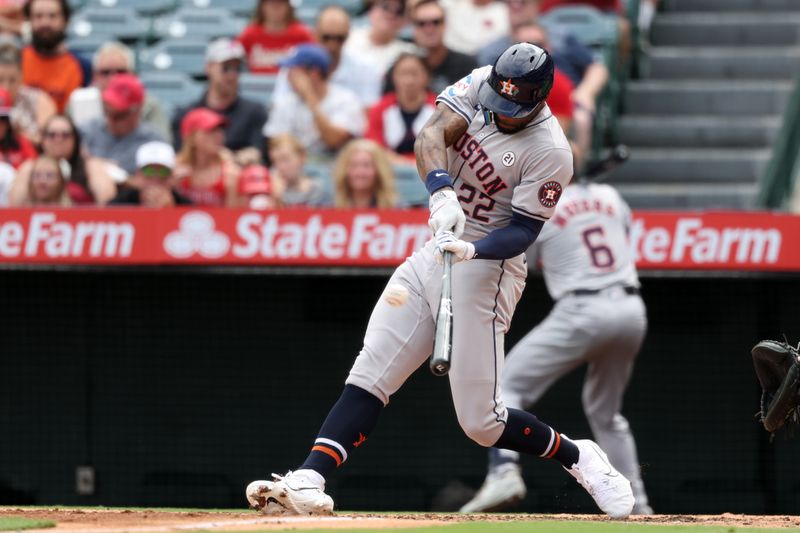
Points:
[(599, 318), (509, 161)]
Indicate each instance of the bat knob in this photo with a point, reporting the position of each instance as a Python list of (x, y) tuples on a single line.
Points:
[(440, 369)]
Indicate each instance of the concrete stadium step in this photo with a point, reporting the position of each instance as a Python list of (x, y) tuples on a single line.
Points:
[(662, 97), (698, 131), (689, 196), (755, 62), (685, 165), (720, 29), (732, 5)]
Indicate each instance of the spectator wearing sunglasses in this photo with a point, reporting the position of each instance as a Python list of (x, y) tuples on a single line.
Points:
[(272, 33), (472, 24), (119, 134), (378, 43), (245, 118), (447, 66), (90, 178), (153, 183), (86, 104), (32, 106)]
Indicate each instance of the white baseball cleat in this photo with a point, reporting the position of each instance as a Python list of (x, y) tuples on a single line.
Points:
[(610, 489), (296, 493), (502, 488)]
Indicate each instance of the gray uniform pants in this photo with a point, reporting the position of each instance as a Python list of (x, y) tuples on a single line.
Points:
[(400, 339), (604, 330)]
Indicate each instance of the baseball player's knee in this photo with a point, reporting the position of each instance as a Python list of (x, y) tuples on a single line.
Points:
[(482, 431)]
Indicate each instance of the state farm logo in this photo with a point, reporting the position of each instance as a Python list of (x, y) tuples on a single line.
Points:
[(196, 234)]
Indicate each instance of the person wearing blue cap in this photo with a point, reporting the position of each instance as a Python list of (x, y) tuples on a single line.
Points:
[(321, 115)]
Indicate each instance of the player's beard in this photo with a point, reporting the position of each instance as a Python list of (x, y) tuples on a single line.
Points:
[(47, 41)]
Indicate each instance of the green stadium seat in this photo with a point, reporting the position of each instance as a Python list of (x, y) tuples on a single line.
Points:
[(590, 25), (257, 87), (118, 23), (185, 56), (409, 185), (198, 24), (145, 8), (172, 89), (239, 8), (87, 45)]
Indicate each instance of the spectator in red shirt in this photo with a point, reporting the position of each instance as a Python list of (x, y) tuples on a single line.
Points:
[(46, 63), (397, 118), (206, 172), (274, 30), (15, 149), (363, 177), (48, 185)]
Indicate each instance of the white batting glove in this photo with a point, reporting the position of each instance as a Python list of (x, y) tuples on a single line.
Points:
[(446, 212), (446, 241)]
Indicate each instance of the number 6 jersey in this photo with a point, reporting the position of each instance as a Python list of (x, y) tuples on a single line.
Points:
[(496, 173), (585, 244)]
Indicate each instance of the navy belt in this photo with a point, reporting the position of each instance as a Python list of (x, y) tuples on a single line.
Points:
[(591, 292)]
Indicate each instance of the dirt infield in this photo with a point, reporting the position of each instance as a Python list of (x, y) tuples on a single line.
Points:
[(145, 521)]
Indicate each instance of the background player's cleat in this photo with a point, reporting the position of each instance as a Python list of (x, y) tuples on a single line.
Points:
[(292, 494), (610, 489), (502, 488), (644, 509)]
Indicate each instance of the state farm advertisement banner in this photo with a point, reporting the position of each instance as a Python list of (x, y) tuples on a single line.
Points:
[(662, 240)]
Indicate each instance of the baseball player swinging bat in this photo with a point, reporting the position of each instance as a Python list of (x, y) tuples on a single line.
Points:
[(442, 345)]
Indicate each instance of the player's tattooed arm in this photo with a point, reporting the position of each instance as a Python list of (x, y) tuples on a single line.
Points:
[(443, 129)]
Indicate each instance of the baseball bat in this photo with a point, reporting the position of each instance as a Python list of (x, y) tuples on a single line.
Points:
[(617, 156), (442, 340)]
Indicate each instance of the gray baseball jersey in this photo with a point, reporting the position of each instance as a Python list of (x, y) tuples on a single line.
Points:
[(584, 247), (494, 175)]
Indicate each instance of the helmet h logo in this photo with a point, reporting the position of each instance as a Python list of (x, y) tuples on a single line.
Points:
[(508, 88)]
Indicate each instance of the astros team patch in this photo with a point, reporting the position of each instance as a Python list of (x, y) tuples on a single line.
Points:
[(549, 193)]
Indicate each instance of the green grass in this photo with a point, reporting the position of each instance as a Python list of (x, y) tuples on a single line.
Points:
[(8, 523), (553, 526)]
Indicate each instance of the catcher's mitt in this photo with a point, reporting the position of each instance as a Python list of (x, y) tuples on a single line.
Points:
[(778, 369)]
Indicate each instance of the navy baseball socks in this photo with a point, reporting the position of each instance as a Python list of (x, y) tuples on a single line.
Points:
[(302, 492), (349, 423), (527, 434)]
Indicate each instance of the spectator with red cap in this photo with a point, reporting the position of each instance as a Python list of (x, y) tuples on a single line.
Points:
[(206, 172), (48, 183), (14, 148), (272, 33), (153, 183), (120, 132), (255, 188), (288, 158)]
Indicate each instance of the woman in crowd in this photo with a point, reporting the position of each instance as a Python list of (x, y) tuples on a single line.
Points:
[(397, 118), (90, 178), (48, 184), (15, 149), (32, 107), (288, 157), (363, 176), (206, 172), (273, 31)]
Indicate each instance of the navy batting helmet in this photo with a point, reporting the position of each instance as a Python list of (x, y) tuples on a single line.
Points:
[(521, 78)]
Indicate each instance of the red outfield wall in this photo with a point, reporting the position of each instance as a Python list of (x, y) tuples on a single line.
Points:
[(735, 241)]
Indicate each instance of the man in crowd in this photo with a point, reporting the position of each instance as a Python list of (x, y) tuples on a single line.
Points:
[(447, 66), (246, 118), (321, 115), (119, 134), (86, 104), (46, 62), (153, 184)]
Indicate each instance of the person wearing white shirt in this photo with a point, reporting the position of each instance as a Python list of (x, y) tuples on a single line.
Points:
[(378, 43), (472, 24)]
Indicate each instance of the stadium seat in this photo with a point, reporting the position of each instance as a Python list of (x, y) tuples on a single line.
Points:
[(352, 6), (86, 46), (239, 8), (117, 23), (411, 189), (587, 23), (257, 87), (145, 8), (199, 24), (172, 89), (186, 56)]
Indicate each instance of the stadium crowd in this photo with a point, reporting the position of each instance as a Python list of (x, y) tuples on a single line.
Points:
[(350, 95)]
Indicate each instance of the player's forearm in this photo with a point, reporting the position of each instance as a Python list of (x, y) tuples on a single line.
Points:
[(510, 241), (430, 150)]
